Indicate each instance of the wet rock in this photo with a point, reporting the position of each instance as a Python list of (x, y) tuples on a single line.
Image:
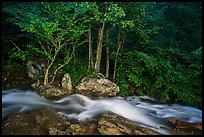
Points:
[(51, 91), (67, 84), (88, 128), (112, 124), (41, 122), (97, 86), (185, 128), (21, 124), (45, 122)]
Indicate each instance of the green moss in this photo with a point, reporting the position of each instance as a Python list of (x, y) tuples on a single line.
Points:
[(101, 132)]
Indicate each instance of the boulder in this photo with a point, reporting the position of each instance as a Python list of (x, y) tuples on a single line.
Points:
[(112, 124), (185, 128), (51, 91), (35, 71), (45, 122), (66, 83), (39, 122), (97, 86)]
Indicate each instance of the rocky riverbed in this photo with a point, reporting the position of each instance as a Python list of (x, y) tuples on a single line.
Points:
[(46, 122)]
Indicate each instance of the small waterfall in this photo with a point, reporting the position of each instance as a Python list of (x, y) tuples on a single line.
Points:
[(79, 108)]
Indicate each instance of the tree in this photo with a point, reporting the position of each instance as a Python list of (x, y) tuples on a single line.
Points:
[(91, 62), (108, 13), (154, 48), (163, 56), (54, 25), (107, 53)]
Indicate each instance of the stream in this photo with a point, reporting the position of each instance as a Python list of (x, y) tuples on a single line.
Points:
[(144, 110)]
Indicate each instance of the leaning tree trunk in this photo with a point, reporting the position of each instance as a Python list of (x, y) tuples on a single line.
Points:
[(49, 64), (45, 82), (91, 63), (107, 53), (99, 48), (46, 77), (120, 47)]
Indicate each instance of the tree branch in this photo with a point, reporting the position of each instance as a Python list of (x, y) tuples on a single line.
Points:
[(15, 46)]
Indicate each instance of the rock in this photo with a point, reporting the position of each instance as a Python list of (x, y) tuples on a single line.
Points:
[(112, 124), (35, 71), (185, 128), (39, 122), (45, 122), (67, 84), (31, 123), (89, 128), (97, 86), (36, 84), (51, 91)]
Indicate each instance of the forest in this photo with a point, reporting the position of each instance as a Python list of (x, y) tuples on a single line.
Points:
[(146, 48)]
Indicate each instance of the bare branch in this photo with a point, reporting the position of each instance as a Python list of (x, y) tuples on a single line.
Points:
[(15, 46), (62, 65)]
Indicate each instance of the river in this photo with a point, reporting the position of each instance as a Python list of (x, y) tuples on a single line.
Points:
[(144, 110)]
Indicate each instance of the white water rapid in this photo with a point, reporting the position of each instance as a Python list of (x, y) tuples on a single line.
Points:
[(80, 108)]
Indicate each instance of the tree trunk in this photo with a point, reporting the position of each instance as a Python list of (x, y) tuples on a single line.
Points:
[(61, 66), (46, 76), (45, 82), (99, 48), (107, 53), (116, 59), (91, 63)]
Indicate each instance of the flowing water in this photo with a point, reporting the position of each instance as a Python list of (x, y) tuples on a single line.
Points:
[(144, 110)]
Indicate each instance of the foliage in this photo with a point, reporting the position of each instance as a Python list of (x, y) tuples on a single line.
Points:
[(157, 77), (78, 70), (12, 67), (168, 63), (124, 90), (52, 25)]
